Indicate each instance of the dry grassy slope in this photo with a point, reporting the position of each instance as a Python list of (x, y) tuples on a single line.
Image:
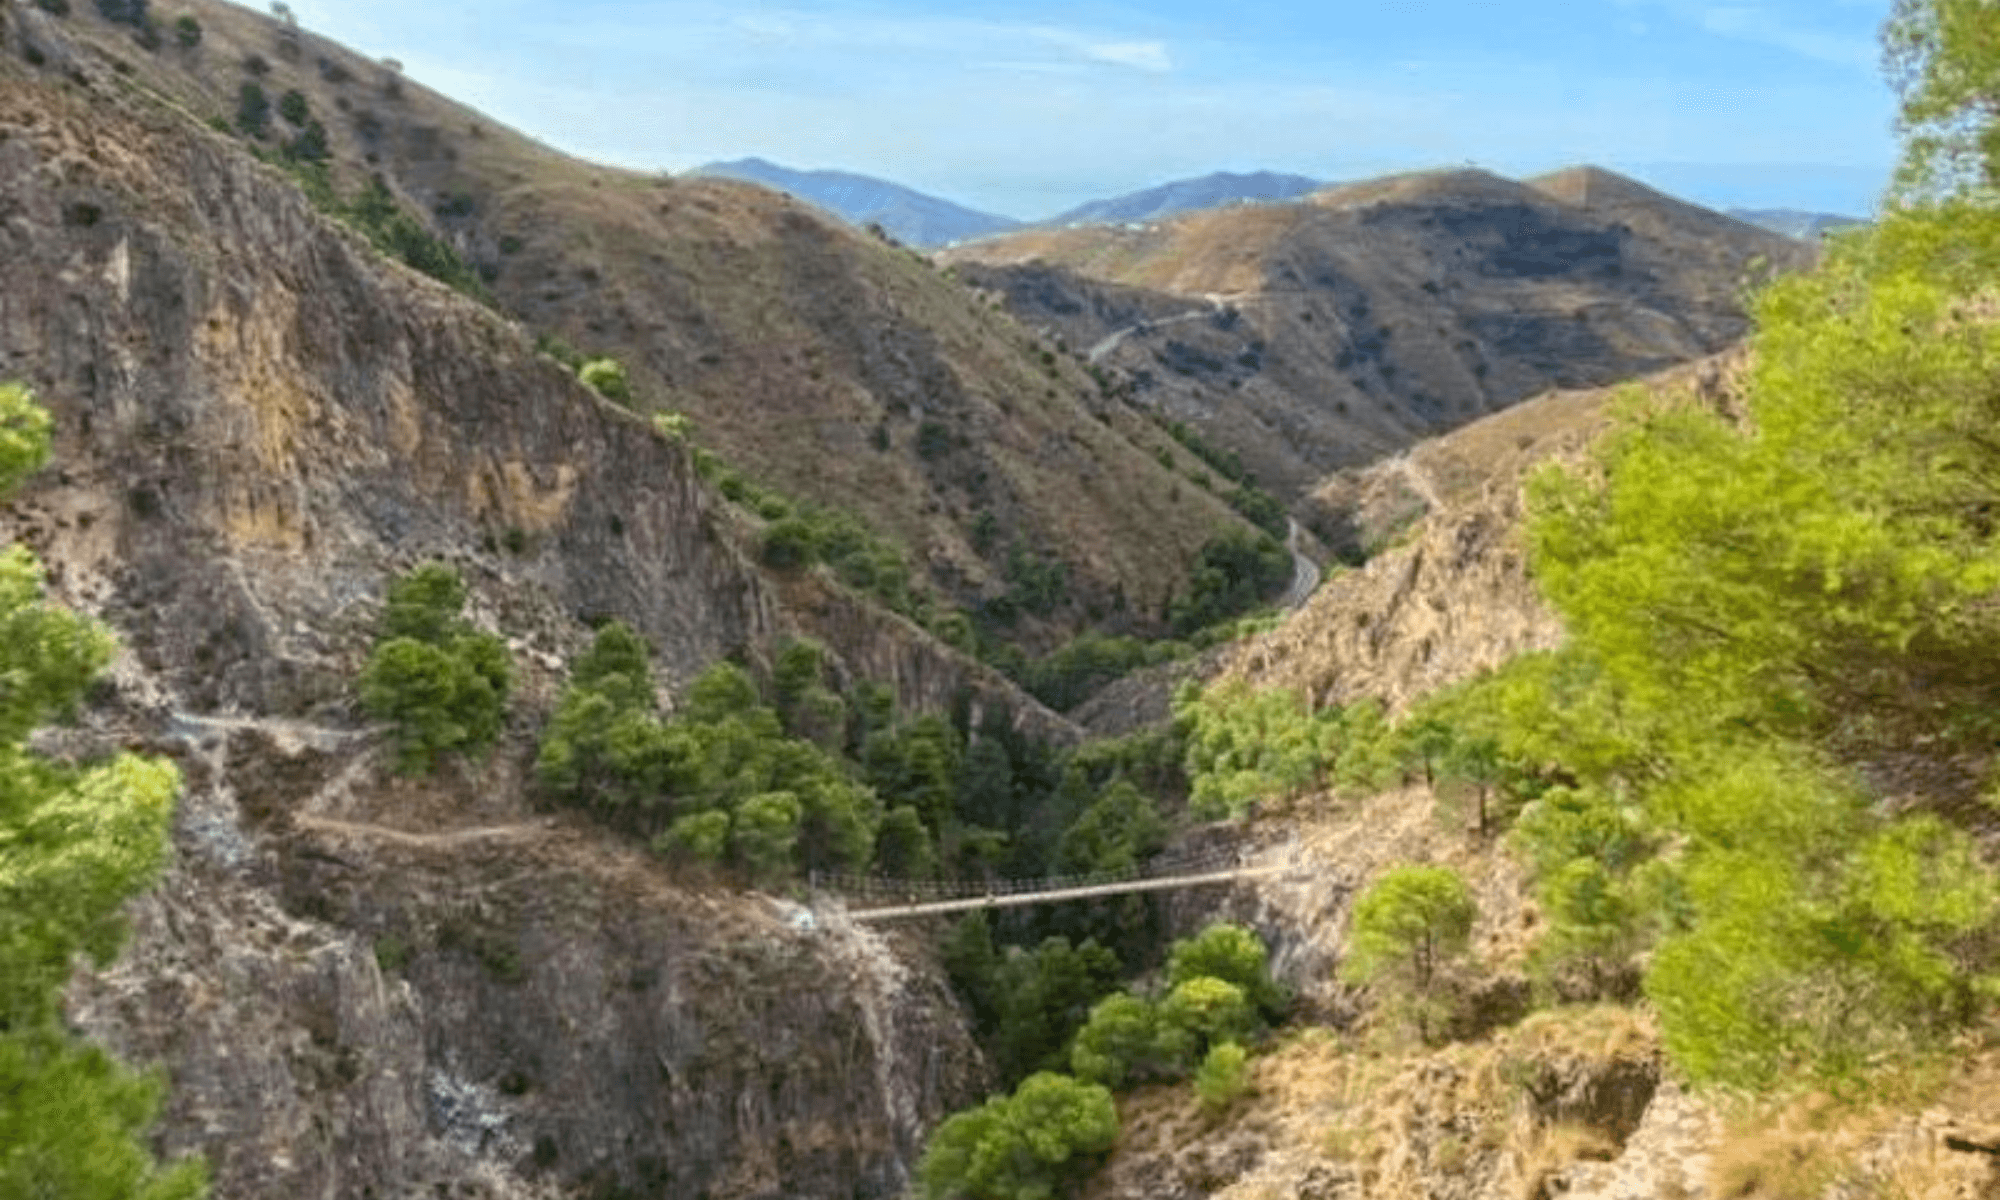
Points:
[(1366, 317), (797, 345), (1451, 594)]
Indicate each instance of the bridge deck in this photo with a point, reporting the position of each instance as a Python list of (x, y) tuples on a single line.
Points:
[(1051, 896)]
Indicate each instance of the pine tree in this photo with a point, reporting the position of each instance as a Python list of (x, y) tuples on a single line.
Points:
[(75, 843)]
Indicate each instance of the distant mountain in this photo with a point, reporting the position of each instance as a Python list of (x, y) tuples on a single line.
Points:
[(908, 215), (1187, 195), (1340, 328), (1794, 223)]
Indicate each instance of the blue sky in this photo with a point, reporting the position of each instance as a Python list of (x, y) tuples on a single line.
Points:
[(1030, 107)]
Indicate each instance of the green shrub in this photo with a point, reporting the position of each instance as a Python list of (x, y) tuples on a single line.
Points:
[(1223, 1077), (1233, 954), (791, 544), (376, 213), (1209, 1011), (1037, 583), (310, 145), (253, 109), (701, 836), (607, 377), (440, 685), (721, 783), (1044, 996), (187, 31), (1045, 1138), (292, 106), (1233, 573), (933, 440), (1125, 1043)]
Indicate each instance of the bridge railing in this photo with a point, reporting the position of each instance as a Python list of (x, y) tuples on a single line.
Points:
[(863, 890)]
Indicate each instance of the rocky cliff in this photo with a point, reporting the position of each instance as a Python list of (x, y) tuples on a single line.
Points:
[(813, 357), (360, 986)]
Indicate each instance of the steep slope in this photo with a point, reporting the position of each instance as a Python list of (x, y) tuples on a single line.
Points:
[(903, 213), (360, 985), (1334, 331), (1188, 195), (811, 356)]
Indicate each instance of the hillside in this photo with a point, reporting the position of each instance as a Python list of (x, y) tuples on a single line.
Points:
[(1552, 1080), (1793, 222), (1327, 333), (1187, 195), (259, 422), (904, 213), (810, 356)]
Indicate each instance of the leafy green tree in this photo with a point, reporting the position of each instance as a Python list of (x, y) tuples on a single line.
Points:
[(1120, 830), (1125, 1042), (1209, 1011), (618, 666), (1407, 925), (75, 843), (764, 832), (1043, 997), (441, 685), (1368, 752), (1233, 954), (1246, 746), (1031, 1145), (903, 846), (972, 963), (702, 836), (1944, 60), (1594, 921)]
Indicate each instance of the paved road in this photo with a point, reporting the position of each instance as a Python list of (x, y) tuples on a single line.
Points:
[(1102, 349), (1018, 899), (1305, 572)]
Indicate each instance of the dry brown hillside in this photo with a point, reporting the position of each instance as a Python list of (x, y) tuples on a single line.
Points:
[(1340, 329), (1450, 593), (817, 359)]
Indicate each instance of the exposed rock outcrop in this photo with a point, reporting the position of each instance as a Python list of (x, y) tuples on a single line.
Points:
[(360, 986)]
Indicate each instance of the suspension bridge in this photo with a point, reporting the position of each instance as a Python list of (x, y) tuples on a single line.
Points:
[(873, 898)]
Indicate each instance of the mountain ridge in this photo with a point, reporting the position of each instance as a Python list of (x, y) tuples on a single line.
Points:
[(908, 215), (1188, 195), (1319, 334)]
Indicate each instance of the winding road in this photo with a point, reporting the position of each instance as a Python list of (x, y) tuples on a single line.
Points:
[(1305, 572)]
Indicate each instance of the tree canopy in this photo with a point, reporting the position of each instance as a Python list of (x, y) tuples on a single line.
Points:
[(75, 843)]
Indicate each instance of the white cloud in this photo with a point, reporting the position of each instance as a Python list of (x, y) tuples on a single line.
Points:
[(1141, 56)]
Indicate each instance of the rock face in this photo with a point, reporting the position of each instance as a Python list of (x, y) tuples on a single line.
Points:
[(360, 986)]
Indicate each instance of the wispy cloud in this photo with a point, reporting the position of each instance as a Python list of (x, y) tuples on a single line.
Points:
[(1758, 24), (1026, 46), (1767, 24), (1140, 56)]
